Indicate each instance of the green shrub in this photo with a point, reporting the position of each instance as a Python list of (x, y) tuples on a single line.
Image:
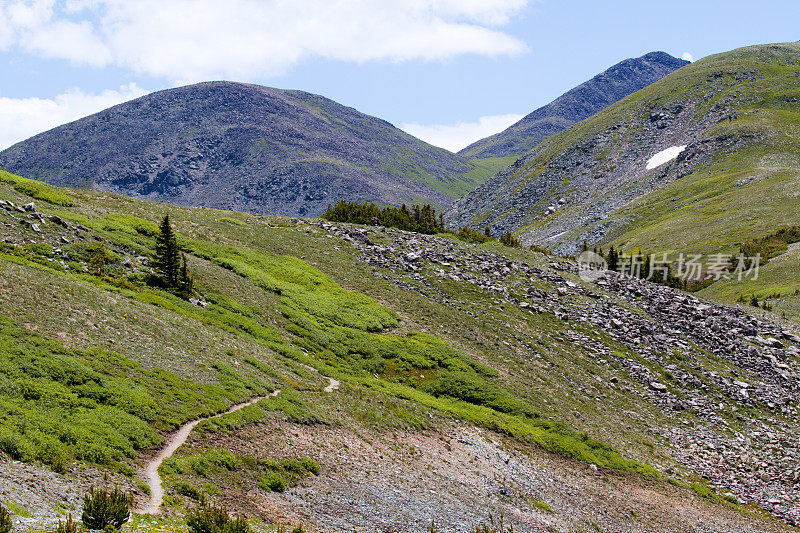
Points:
[(310, 465), (222, 458), (210, 519), (187, 489), (58, 404), (273, 482), (70, 526), (704, 491), (103, 508), (5, 520), (473, 389), (542, 506)]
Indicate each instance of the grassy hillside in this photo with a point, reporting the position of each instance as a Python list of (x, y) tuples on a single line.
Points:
[(737, 113), (471, 376)]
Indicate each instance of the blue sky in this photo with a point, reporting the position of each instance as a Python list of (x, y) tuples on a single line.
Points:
[(449, 71)]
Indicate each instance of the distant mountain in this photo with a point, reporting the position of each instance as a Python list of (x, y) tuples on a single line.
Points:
[(580, 103), (699, 161), (242, 147)]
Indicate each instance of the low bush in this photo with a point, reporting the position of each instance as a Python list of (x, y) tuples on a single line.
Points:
[(211, 519), (273, 482), (58, 404), (70, 526), (38, 190), (5, 520), (471, 388), (187, 489), (103, 508)]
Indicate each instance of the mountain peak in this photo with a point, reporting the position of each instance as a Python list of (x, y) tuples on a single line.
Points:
[(241, 146), (606, 88)]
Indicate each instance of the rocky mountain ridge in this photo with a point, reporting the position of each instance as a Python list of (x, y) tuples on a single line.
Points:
[(577, 104), (243, 147), (592, 182)]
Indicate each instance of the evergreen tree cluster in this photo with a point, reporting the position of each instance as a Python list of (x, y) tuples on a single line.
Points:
[(421, 219), (770, 245), (170, 261), (508, 239), (662, 274), (468, 234)]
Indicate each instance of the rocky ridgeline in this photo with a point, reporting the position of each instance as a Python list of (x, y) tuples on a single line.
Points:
[(738, 429), (242, 147), (583, 101), (599, 174)]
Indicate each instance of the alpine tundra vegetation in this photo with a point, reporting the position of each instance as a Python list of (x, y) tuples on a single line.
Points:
[(229, 308)]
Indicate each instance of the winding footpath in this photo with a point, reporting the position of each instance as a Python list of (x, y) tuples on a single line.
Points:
[(171, 445), (178, 438)]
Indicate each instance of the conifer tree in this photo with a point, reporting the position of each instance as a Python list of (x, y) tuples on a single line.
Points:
[(168, 259), (613, 260)]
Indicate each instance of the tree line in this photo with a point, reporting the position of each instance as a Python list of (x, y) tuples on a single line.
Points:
[(419, 218)]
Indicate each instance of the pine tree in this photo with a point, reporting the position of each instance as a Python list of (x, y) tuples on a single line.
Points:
[(100, 258), (613, 260), (168, 260)]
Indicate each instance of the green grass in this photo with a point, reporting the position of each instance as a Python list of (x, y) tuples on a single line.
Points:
[(61, 404), (487, 167), (38, 190), (17, 509)]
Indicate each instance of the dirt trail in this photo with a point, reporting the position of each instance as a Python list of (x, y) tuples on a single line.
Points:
[(171, 444), (179, 437)]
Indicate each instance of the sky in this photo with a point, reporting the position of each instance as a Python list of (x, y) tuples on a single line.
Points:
[(448, 71)]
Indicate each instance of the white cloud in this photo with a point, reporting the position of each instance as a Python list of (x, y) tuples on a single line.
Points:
[(687, 57), (454, 137), (21, 118), (192, 40)]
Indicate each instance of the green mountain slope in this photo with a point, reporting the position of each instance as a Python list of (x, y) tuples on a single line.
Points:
[(737, 115), (243, 147), (472, 377)]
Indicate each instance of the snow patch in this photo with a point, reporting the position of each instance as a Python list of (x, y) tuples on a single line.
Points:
[(664, 156)]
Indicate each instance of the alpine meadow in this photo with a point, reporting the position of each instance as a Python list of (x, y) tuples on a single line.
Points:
[(231, 308)]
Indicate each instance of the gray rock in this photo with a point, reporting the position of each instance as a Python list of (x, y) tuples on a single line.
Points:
[(659, 387)]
